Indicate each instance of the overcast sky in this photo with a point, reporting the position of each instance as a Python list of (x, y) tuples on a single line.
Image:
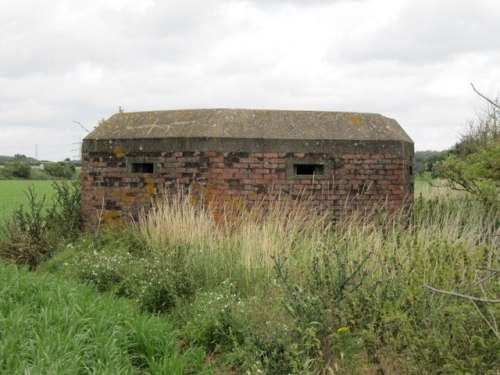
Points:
[(412, 60)]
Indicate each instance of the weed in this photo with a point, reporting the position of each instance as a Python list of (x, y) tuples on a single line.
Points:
[(34, 233)]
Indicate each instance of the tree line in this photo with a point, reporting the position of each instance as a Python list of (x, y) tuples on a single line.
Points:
[(21, 167)]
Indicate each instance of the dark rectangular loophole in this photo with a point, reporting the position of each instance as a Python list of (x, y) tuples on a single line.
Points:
[(308, 169), (142, 168)]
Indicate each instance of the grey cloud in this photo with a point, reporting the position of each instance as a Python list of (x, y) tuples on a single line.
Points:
[(429, 31), (304, 3), (174, 32)]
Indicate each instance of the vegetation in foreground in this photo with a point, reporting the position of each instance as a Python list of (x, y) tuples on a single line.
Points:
[(13, 194), (39, 227), (53, 326), (283, 291)]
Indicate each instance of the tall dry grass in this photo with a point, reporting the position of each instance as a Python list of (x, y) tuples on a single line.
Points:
[(234, 242), (247, 243)]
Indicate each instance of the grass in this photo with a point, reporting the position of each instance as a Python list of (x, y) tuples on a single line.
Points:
[(52, 326), (284, 291), (13, 194), (435, 188)]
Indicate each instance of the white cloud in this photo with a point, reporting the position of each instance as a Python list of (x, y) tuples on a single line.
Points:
[(429, 31)]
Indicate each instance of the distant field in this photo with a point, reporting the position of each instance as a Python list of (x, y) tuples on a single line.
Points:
[(435, 189), (13, 194)]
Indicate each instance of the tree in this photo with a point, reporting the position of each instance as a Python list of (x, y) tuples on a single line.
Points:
[(425, 161), (474, 162), (20, 157), (17, 169), (60, 169)]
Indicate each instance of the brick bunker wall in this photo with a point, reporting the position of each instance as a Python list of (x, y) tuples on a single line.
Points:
[(114, 190)]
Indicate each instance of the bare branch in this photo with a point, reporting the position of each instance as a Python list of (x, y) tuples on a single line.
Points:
[(492, 327), (81, 126), (459, 295), (490, 269), (496, 105)]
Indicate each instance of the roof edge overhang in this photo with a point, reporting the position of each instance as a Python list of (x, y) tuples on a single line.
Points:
[(251, 145)]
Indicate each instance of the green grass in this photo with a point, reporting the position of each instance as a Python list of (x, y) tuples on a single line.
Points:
[(12, 194), (435, 188), (272, 291), (53, 326), (282, 291)]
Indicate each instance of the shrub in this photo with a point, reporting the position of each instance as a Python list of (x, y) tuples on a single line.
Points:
[(16, 169), (478, 173), (34, 232), (60, 169), (474, 165), (216, 323)]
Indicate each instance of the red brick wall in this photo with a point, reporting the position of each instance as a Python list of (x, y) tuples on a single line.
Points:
[(350, 181)]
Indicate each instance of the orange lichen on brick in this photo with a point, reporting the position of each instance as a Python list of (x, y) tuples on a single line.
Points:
[(118, 151), (149, 186)]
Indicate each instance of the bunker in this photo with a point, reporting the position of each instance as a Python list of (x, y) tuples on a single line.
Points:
[(340, 161)]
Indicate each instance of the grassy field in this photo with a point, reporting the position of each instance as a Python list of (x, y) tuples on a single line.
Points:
[(52, 326), (13, 194)]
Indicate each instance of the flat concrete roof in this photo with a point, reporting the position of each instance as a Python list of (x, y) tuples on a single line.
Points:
[(251, 124)]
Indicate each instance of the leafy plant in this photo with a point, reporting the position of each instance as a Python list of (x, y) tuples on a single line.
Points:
[(474, 165), (34, 232), (60, 169)]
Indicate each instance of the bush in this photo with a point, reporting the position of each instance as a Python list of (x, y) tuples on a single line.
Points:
[(60, 169), (16, 169), (35, 232), (478, 173), (474, 165)]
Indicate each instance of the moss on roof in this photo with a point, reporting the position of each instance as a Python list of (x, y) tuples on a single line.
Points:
[(250, 123)]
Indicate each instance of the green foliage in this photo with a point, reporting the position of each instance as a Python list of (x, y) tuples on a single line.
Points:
[(425, 161), (318, 309), (35, 232), (474, 165), (478, 173), (4, 159), (117, 261), (302, 308), (52, 326), (18, 157), (215, 322), (16, 169), (60, 169)]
